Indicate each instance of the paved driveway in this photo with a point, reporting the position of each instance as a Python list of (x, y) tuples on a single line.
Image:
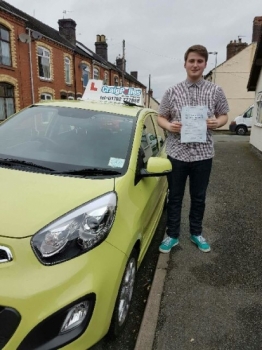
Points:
[(214, 301)]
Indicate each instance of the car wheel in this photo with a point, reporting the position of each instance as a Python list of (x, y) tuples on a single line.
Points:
[(124, 297), (241, 130)]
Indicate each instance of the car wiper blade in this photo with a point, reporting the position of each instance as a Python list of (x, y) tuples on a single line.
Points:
[(11, 161), (131, 104), (90, 171)]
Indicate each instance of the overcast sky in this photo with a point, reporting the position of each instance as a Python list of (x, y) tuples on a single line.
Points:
[(156, 32)]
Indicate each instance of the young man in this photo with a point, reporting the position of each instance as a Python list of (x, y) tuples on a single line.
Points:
[(190, 159)]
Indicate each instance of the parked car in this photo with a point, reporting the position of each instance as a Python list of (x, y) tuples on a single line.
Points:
[(243, 122), (82, 192)]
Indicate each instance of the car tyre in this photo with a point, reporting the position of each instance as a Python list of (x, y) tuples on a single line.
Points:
[(124, 298), (241, 130)]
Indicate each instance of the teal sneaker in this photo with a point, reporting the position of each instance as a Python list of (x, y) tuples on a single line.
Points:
[(201, 243), (167, 244)]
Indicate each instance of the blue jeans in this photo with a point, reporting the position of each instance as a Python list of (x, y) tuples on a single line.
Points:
[(198, 173)]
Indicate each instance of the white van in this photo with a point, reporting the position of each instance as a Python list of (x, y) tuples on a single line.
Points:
[(243, 122)]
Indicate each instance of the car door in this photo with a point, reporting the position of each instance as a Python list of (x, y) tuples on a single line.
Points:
[(248, 117), (149, 192)]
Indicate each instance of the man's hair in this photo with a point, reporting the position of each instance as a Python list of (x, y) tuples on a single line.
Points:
[(201, 50)]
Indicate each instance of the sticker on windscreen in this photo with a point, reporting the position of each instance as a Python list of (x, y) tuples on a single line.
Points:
[(116, 162)]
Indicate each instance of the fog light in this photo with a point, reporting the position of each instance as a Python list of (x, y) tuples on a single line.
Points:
[(75, 316)]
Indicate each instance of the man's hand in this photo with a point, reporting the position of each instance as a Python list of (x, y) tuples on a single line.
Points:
[(213, 123), (174, 127)]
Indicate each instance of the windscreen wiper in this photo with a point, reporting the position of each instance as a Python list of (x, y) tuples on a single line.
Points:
[(131, 104), (11, 161), (90, 171)]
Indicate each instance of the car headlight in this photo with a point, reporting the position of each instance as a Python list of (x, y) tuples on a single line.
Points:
[(76, 232)]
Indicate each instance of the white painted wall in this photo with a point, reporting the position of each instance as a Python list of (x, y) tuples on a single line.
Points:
[(152, 103), (232, 76), (256, 130)]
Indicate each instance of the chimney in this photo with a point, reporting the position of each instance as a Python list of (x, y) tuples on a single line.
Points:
[(101, 46), (119, 63), (134, 74), (150, 93), (67, 29), (257, 29), (235, 47)]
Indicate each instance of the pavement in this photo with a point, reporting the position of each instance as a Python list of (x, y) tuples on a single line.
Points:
[(212, 301)]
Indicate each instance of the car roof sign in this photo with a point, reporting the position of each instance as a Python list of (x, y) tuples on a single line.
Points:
[(97, 91)]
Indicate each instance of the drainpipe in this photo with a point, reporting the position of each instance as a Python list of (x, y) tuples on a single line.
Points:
[(31, 69), (74, 63)]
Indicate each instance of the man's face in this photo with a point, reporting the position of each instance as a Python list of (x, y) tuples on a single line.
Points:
[(195, 65)]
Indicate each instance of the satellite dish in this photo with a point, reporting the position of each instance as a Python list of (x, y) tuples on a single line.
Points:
[(24, 38), (36, 35)]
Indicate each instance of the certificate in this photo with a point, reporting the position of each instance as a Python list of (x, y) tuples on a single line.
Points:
[(194, 125)]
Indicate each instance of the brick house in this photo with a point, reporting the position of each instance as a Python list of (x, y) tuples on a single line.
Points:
[(38, 62)]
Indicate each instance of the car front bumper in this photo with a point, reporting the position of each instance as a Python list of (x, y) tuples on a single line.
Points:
[(37, 294)]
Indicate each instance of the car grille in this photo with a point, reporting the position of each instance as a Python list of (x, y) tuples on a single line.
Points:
[(5, 255), (9, 321)]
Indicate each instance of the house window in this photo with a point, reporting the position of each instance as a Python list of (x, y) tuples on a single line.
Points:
[(96, 73), (44, 63), (7, 103), (67, 70), (85, 74), (5, 53), (106, 80), (115, 80), (259, 107), (45, 96)]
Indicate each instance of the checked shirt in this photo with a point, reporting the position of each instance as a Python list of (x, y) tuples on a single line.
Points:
[(186, 93)]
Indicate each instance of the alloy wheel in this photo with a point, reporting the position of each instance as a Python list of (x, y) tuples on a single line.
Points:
[(127, 291)]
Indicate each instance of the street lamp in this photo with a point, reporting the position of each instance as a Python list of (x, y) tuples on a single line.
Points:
[(214, 53)]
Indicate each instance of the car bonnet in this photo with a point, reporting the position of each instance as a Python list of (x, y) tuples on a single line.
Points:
[(29, 201)]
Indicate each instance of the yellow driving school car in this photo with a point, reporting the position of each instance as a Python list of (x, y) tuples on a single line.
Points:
[(83, 186)]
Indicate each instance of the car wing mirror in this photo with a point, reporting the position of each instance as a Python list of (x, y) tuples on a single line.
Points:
[(156, 166)]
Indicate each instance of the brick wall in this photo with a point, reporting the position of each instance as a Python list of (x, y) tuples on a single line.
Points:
[(19, 74)]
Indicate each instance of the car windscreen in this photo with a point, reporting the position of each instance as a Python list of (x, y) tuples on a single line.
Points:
[(63, 138)]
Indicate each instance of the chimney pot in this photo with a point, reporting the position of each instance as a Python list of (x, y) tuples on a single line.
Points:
[(101, 46), (257, 29), (235, 47), (67, 29), (119, 63)]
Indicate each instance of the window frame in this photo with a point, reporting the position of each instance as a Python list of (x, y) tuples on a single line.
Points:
[(46, 94), (85, 66), (116, 80), (96, 70), (259, 108), (6, 96), (45, 50), (106, 78), (9, 45), (67, 67)]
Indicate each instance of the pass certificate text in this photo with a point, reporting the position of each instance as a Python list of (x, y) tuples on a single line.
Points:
[(194, 125)]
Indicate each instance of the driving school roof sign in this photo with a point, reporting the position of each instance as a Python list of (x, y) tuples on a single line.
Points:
[(96, 91)]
